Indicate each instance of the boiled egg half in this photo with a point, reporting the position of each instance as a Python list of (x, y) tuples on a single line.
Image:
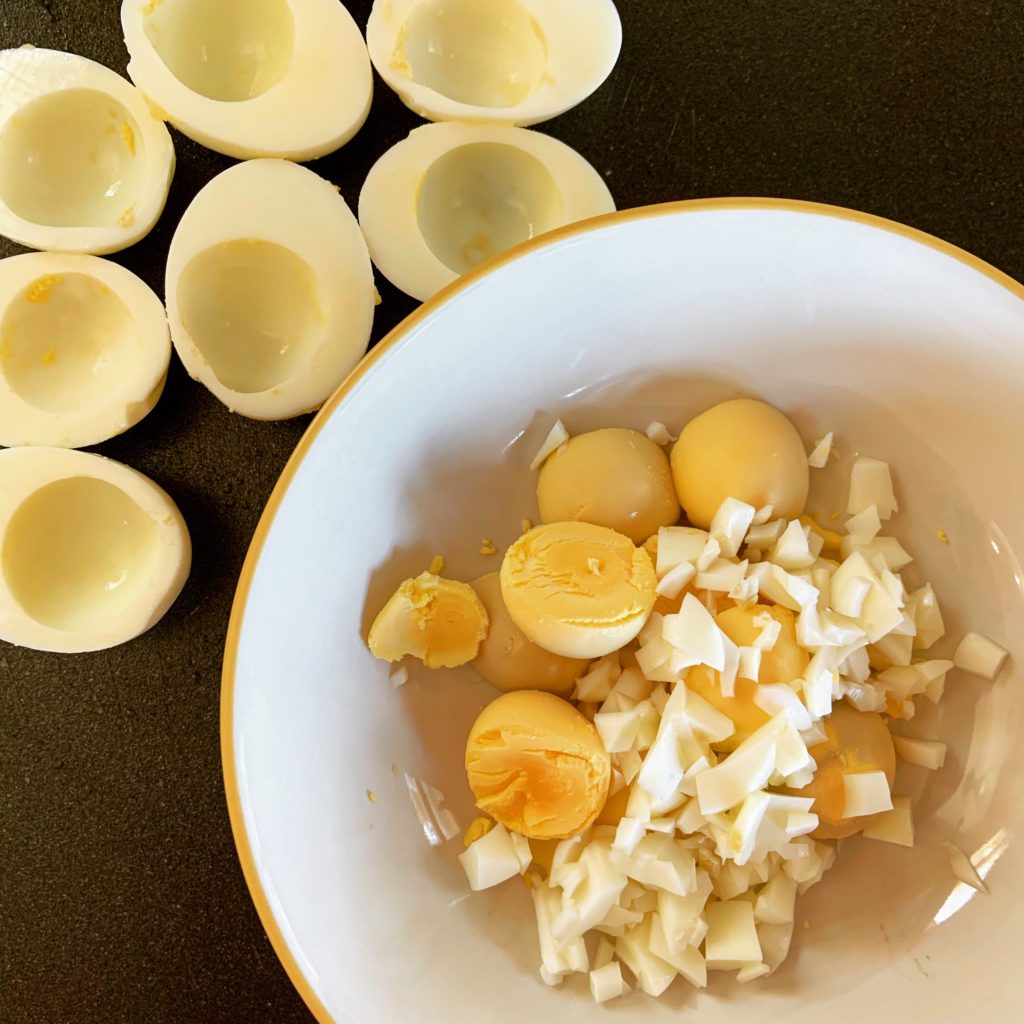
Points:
[(84, 350), (92, 553), (504, 61), (451, 196), (84, 164), (269, 289), (285, 78)]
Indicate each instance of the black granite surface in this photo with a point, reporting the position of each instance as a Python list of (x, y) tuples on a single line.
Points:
[(121, 898)]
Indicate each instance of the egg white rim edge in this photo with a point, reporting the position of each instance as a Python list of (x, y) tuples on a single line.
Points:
[(258, 200), (591, 64), (388, 209), (40, 72), (22, 423), (329, 62), (39, 467)]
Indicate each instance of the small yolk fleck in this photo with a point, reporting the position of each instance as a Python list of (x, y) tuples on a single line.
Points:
[(437, 565), (943, 536), (40, 289), (129, 137), (487, 547), (50, 356), (478, 828)]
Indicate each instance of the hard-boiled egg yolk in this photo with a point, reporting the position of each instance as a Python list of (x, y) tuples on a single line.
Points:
[(577, 589), (537, 766), (441, 622), (858, 741), (741, 449), (613, 477), (785, 662), (509, 660)]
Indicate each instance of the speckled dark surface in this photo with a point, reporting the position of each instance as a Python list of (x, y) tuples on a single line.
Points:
[(121, 898)]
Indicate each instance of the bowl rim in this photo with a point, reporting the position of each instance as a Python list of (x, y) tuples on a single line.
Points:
[(336, 401)]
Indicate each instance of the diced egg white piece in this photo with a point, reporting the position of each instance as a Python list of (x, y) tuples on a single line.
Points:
[(889, 549), (662, 771), (87, 165), (453, 195), (865, 793), (879, 612), (659, 433), (681, 918), (690, 818), (705, 719), (750, 663), (722, 575), (743, 772), (791, 550), (491, 860), (556, 437), (923, 607), (607, 982), (672, 583), (818, 459), (864, 696), (617, 920), (930, 754), (272, 229), (687, 960), (775, 941), (776, 901), (763, 514), (782, 587), (745, 592), (660, 862), (653, 975), (639, 804), (567, 853), (733, 879), (751, 972), (94, 553), (630, 763), (399, 677), (764, 535), (591, 900), (980, 656), (895, 826), (556, 961), (247, 79), (617, 729), (604, 953), (631, 683), (847, 597), (864, 526), (709, 555), (818, 681), (510, 61), (84, 350), (779, 698), (808, 870), (597, 684), (666, 826), (628, 834), (693, 632), (871, 484), (816, 629), (678, 544), (744, 832), (893, 649), (729, 525), (790, 752), (732, 936), (769, 630)]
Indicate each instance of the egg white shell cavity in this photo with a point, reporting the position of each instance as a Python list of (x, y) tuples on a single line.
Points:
[(515, 62), (269, 289), (252, 78), (94, 553), (84, 350), (84, 165), (450, 196)]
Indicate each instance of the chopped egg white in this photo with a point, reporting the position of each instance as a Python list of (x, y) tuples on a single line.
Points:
[(866, 793), (491, 859), (556, 437), (607, 982), (930, 754), (895, 826), (871, 484), (730, 524), (980, 656), (818, 459), (679, 544), (659, 433), (732, 938)]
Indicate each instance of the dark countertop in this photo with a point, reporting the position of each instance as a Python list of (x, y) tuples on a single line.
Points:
[(121, 898)]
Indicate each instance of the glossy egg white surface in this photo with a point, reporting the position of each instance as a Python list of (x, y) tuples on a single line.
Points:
[(904, 347), (84, 164)]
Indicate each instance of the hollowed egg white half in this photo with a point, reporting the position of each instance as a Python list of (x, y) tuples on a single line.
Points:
[(252, 78), (451, 196), (269, 288), (84, 164), (503, 61), (84, 350), (92, 553)]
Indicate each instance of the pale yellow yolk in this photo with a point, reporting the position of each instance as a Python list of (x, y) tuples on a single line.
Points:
[(576, 589), (536, 765), (478, 828), (785, 662), (509, 660), (613, 477), (441, 622), (858, 741), (741, 449)]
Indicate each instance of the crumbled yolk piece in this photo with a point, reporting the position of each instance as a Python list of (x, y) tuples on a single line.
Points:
[(487, 547), (441, 622), (129, 137), (478, 828), (39, 290), (942, 535), (127, 219), (437, 565)]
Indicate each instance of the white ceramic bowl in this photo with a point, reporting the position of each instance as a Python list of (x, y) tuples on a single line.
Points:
[(906, 347)]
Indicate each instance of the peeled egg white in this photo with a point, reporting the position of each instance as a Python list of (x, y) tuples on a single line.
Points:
[(285, 78), (84, 164), (84, 350), (269, 289), (451, 196), (93, 553), (504, 61)]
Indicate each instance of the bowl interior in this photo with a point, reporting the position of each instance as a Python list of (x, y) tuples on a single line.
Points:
[(340, 786)]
